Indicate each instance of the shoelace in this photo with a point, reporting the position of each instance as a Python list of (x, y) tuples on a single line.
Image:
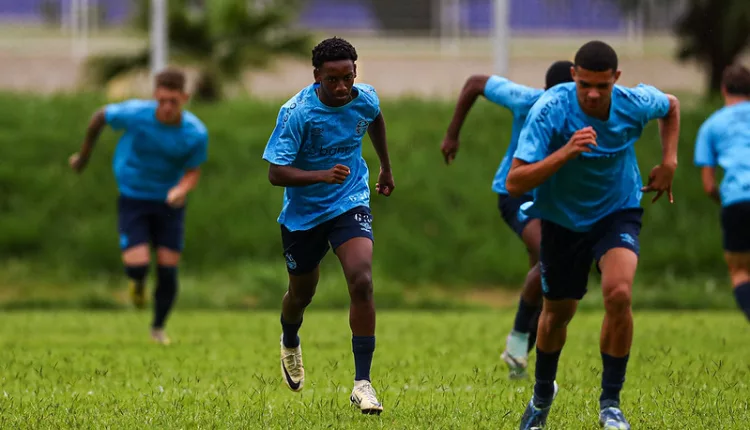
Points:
[(294, 365), (369, 393)]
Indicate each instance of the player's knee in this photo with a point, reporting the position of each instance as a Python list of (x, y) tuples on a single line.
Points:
[(360, 286), (558, 318), (617, 297)]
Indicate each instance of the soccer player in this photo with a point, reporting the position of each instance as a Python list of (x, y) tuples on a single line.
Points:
[(156, 164), (724, 140), (518, 99), (315, 153), (577, 151)]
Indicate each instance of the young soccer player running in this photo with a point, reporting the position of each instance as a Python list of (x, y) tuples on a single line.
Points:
[(315, 153), (724, 141), (156, 164), (577, 150), (518, 99)]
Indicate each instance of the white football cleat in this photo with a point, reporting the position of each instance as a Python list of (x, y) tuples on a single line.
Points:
[(363, 396), (292, 369)]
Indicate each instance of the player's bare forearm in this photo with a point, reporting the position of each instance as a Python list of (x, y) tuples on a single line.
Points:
[(669, 128), (379, 142), (96, 125), (524, 177), (189, 180), (288, 176), (708, 177), (473, 88)]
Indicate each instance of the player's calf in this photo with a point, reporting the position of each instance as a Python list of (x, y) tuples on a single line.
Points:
[(137, 288), (739, 272)]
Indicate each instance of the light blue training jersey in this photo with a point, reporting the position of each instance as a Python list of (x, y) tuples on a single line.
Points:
[(724, 141), (518, 99), (310, 135), (598, 183), (151, 157)]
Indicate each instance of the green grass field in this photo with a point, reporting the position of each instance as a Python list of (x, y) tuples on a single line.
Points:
[(98, 370)]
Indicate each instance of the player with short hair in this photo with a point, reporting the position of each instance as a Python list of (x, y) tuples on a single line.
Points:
[(156, 164), (315, 153), (724, 141), (518, 99), (577, 150)]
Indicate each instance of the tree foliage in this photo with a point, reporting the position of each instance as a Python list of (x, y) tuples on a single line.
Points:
[(222, 38), (712, 32)]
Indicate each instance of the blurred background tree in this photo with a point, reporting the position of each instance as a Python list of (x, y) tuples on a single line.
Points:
[(220, 38), (712, 32)]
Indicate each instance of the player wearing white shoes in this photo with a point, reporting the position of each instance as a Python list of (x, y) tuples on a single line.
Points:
[(518, 99), (315, 153)]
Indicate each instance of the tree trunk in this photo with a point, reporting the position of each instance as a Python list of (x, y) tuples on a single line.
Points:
[(718, 64)]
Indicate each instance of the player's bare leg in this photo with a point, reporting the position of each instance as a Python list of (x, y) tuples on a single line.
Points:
[(136, 260), (618, 268), (356, 260), (519, 342), (165, 293), (298, 296), (739, 272)]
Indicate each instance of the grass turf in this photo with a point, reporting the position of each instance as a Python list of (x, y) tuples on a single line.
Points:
[(432, 370)]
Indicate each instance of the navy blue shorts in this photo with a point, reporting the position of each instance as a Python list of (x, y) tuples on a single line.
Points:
[(566, 256), (735, 225), (151, 222), (305, 249), (510, 209)]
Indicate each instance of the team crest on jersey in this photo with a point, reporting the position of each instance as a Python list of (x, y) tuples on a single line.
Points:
[(361, 127)]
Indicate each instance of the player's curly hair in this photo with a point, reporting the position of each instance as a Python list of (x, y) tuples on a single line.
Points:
[(333, 49)]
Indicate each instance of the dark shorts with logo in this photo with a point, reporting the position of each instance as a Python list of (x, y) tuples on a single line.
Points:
[(735, 225), (150, 222), (566, 255), (305, 249), (510, 209)]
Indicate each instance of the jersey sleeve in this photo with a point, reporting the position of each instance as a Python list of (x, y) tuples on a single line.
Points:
[(542, 124), (649, 103), (509, 94), (373, 100), (705, 148), (286, 139), (119, 116), (200, 153)]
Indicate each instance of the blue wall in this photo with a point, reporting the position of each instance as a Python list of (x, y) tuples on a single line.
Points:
[(526, 15)]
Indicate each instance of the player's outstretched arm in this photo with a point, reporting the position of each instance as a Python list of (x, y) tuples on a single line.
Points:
[(525, 176), (385, 184), (472, 89), (79, 160), (661, 176)]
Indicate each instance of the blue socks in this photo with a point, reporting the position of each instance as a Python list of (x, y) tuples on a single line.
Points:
[(363, 348), (545, 373), (165, 294), (290, 338), (137, 273), (742, 295), (524, 317), (613, 377)]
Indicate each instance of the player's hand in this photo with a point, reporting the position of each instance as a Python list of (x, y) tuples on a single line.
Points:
[(449, 148), (385, 183), (176, 197), (580, 141), (660, 180), (77, 162), (336, 174)]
